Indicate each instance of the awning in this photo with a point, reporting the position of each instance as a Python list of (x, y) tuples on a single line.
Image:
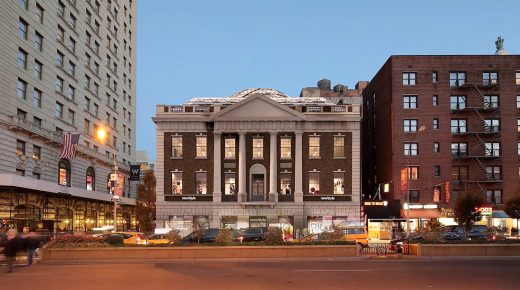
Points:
[(430, 213), (499, 215)]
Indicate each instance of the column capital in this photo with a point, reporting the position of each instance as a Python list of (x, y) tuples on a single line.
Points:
[(242, 133), (298, 133), (273, 133)]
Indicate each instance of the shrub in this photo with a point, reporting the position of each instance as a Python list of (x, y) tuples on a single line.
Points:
[(77, 241), (335, 235), (174, 237), (115, 240), (224, 237), (274, 236)]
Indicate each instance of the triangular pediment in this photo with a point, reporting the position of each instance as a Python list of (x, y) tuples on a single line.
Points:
[(257, 108)]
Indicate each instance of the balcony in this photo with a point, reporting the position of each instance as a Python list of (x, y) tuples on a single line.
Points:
[(34, 130)]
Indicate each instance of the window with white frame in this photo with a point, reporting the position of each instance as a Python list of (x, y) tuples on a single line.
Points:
[(314, 183), (518, 102), (459, 149), (201, 146), (409, 78), (457, 102), (176, 183), (339, 182), (435, 124), (494, 172), (410, 125), (435, 100), (435, 78), (410, 102), (436, 147), (492, 148), (339, 146), (517, 78), (489, 78), (230, 183), (492, 125), (258, 148), (457, 79), (411, 149), (458, 126), (494, 196), (177, 146), (285, 148), (491, 102), (201, 181), (314, 146)]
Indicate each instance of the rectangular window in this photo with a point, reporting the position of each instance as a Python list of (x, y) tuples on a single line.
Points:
[(285, 183), (494, 172), (23, 4), (37, 98), (59, 111), (20, 147), (458, 126), (414, 196), (22, 59), (339, 182), (36, 175), (37, 121), (410, 125), (285, 148), (411, 149), (437, 170), (492, 149), (457, 79), (489, 78), (21, 114), (38, 41), (339, 146), (436, 147), (435, 78), (410, 102), (71, 21), (39, 13), (38, 66), (494, 196), (492, 125), (409, 78), (59, 59), (459, 149), (314, 146), (258, 148), (435, 124), (229, 148), (37, 153), (201, 147), (71, 69), (71, 45), (435, 100), (177, 146), (59, 85), (86, 126), (71, 92), (201, 181), (518, 125), (177, 183), (20, 172), (457, 102), (413, 172), (491, 102), (230, 183), (459, 173), (22, 28), (518, 102), (517, 78), (96, 110), (61, 9), (314, 183), (61, 34), (71, 117), (518, 148), (22, 87)]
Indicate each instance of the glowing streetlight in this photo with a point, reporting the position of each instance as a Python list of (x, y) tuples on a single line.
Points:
[(421, 129), (102, 135)]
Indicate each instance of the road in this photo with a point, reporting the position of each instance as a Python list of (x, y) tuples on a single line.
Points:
[(272, 275)]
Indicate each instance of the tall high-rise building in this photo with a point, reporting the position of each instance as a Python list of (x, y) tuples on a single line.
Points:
[(67, 66)]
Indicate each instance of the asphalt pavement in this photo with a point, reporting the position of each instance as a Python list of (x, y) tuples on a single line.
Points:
[(467, 273)]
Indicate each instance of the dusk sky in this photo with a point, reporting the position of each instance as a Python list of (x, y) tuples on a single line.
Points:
[(211, 48)]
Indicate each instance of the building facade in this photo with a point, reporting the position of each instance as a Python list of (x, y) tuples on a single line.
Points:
[(256, 159), (67, 66), (435, 126), (145, 164)]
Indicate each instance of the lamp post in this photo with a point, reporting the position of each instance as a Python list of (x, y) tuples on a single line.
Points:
[(102, 135), (421, 129)]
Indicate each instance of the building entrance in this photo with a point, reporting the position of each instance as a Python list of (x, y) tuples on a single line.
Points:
[(257, 187)]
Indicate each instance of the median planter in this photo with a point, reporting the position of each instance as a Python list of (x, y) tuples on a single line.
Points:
[(173, 253), (439, 250)]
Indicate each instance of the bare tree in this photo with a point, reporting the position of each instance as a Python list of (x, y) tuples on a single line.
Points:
[(145, 203)]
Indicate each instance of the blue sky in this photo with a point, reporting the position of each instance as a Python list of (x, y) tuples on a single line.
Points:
[(210, 48)]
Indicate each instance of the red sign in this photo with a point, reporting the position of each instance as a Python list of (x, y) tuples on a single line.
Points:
[(447, 192), (404, 180)]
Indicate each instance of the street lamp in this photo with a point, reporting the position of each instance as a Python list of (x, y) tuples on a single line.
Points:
[(421, 129), (102, 135)]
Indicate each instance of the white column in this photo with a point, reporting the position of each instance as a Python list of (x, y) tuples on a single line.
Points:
[(242, 164), (273, 166), (217, 194), (298, 174)]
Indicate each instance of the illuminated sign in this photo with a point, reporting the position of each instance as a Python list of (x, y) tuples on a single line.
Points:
[(485, 210), (447, 192), (404, 180), (386, 187), (376, 203)]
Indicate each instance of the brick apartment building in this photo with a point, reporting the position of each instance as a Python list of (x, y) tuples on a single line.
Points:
[(469, 106), (256, 159)]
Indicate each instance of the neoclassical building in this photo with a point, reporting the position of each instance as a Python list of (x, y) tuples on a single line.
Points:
[(256, 159)]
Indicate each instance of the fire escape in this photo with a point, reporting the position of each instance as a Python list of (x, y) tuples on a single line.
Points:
[(481, 112)]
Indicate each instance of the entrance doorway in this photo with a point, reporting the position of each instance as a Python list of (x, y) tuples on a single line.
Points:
[(257, 187)]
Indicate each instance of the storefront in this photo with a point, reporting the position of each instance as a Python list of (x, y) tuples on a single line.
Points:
[(186, 224), (419, 214), (319, 224)]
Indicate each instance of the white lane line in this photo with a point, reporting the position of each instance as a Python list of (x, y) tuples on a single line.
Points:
[(340, 270)]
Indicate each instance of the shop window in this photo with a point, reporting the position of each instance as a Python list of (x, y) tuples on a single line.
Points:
[(201, 181), (202, 147), (314, 183), (314, 146), (285, 183), (177, 146), (258, 148), (285, 148), (229, 148), (339, 146), (230, 180), (64, 173), (90, 179), (176, 182), (413, 172), (339, 182)]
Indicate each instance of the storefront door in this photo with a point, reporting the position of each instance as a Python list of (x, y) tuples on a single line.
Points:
[(257, 188)]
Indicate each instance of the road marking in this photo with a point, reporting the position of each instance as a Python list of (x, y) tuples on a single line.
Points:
[(339, 270)]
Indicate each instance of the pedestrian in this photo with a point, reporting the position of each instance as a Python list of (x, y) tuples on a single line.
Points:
[(11, 247), (31, 243)]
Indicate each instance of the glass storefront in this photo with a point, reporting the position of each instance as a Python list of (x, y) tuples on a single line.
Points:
[(187, 224), (318, 224)]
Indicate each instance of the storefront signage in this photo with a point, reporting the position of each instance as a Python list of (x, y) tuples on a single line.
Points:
[(376, 203), (188, 198), (327, 198), (135, 172), (447, 213), (485, 210), (447, 192), (258, 221)]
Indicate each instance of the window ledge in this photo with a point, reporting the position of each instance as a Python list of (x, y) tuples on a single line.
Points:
[(314, 157), (201, 158), (175, 157), (340, 157)]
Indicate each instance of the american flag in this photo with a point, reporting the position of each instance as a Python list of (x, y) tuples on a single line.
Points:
[(70, 143)]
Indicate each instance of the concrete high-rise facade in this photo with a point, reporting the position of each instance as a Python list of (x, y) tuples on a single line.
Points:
[(66, 66)]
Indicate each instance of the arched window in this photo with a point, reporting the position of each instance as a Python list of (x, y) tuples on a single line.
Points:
[(64, 173), (91, 179)]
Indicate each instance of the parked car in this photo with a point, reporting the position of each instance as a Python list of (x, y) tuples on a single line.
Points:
[(250, 235), (158, 239), (206, 236), (477, 232), (130, 238), (358, 235)]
